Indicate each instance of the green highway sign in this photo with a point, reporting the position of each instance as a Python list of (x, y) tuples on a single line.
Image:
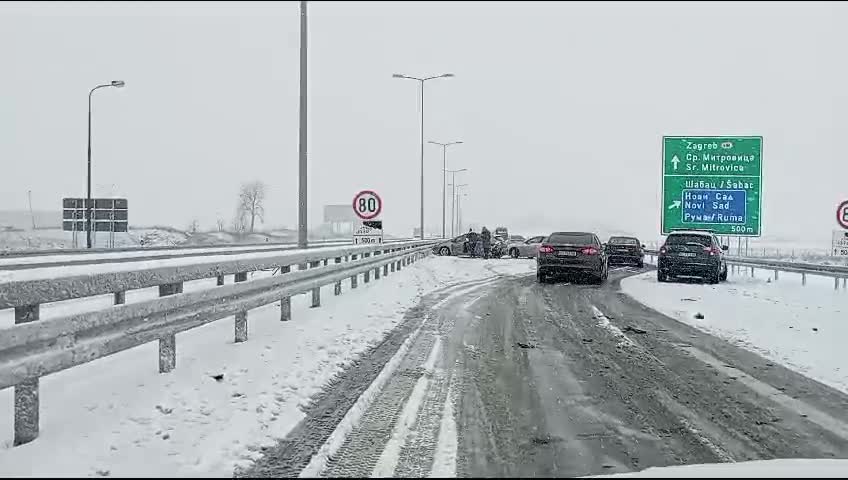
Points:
[(712, 183)]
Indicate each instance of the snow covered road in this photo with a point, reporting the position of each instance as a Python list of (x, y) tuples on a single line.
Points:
[(508, 377)]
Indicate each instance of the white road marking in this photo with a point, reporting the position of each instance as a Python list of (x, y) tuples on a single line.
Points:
[(605, 323), (388, 460), (353, 416), (822, 419), (444, 461)]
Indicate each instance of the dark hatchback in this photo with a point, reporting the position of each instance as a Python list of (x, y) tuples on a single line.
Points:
[(692, 254), (627, 250), (572, 253)]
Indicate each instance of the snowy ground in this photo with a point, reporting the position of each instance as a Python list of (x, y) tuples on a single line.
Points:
[(801, 327), (780, 468), (118, 416)]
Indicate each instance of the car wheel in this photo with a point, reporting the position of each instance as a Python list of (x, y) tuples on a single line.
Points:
[(662, 277), (641, 264), (513, 253), (444, 251), (541, 277), (714, 277), (723, 276)]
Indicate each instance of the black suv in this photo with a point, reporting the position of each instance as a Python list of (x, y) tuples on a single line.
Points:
[(693, 253), (625, 250)]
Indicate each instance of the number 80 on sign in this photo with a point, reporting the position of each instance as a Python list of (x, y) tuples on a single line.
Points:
[(367, 204)]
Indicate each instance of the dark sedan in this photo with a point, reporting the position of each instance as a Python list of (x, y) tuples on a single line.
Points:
[(627, 250), (572, 252)]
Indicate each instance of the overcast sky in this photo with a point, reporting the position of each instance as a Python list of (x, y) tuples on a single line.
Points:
[(561, 106)]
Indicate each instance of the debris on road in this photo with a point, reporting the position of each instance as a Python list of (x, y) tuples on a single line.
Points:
[(219, 377), (525, 345), (633, 329), (699, 316), (587, 340)]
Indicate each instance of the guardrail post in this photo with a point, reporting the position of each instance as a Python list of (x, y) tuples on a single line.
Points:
[(844, 281), (120, 298), (337, 290), (366, 277), (836, 283), (220, 280), (386, 270), (326, 261), (803, 278), (316, 292), (353, 278), (241, 317), (26, 392), (377, 270), (776, 275), (168, 344)]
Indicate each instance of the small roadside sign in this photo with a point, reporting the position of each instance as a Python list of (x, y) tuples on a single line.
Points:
[(369, 232), (842, 214), (367, 205), (840, 243)]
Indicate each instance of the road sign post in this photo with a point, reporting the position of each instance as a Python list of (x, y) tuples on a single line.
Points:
[(712, 183)]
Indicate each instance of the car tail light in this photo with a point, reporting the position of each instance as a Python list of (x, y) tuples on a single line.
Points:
[(590, 251), (546, 249), (712, 250)]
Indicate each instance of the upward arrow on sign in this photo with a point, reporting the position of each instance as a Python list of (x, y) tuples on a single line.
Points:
[(675, 161)]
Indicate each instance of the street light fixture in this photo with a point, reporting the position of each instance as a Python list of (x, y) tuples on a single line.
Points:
[(88, 206), (444, 175), (453, 196), (421, 82)]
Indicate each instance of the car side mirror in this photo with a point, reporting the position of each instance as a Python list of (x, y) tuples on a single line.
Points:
[(643, 245), (725, 248)]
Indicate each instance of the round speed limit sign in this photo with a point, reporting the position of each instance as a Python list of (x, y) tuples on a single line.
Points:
[(367, 205), (842, 214)]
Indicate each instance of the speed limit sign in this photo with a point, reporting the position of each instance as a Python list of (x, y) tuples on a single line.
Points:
[(367, 204), (842, 214)]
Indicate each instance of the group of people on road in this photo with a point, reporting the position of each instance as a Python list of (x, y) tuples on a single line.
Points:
[(479, 245)]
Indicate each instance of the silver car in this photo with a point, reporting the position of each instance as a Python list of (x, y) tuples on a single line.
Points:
[(526, 249), (452, 247)]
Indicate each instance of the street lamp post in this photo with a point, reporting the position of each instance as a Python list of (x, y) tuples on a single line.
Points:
[(453, 195), (302, 224), (116, 84), (459, 207), (421, 82), (444, 176)]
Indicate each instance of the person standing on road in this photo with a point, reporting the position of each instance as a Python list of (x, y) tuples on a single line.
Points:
[(486, 240), (472, 242)]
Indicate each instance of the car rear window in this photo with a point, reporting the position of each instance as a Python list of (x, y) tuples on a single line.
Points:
[(623, 241), (684, 239), (572, 238)]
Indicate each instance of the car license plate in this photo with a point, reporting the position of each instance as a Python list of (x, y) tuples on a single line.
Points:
[(686, 254), (567, 254)]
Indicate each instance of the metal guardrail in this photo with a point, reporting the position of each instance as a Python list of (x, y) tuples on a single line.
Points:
[(84, 257), (32, 349), (837, 272)]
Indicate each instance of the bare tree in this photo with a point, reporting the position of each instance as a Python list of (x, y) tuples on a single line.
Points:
[(239, 222), (193, 227), (252, 202), (220, 224)]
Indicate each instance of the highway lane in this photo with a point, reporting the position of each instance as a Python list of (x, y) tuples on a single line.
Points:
[(514, 378)]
